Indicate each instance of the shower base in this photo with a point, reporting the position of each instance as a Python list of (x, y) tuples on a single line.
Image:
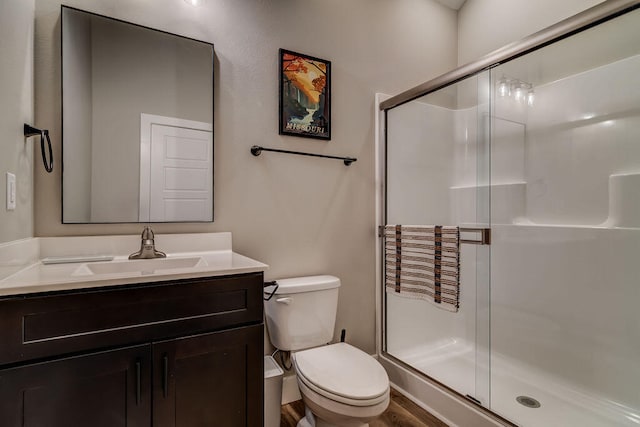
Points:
[(452, 362)]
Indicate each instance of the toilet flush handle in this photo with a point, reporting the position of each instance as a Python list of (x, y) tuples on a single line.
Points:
[(286, 300)]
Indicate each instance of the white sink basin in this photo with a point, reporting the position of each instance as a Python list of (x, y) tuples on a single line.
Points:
[(143, 266)]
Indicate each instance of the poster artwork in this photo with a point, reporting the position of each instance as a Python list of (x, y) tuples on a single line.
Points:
[(304, 95)]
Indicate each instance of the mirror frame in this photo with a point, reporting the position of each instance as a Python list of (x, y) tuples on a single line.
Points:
[(62, 8)]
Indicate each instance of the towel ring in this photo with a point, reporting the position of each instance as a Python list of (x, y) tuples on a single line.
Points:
[(44, 133)]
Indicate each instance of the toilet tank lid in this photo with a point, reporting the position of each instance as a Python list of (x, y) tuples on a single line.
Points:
[(295, 285)]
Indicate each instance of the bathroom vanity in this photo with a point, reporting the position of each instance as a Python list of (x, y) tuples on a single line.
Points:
[(175, 347)]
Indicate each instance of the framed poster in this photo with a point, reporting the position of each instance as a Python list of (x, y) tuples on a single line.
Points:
[(305, 95)]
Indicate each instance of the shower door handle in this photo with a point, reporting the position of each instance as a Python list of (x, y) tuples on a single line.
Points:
[(484, 238)]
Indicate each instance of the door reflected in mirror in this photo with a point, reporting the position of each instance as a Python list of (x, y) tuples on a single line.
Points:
[(137, 123)]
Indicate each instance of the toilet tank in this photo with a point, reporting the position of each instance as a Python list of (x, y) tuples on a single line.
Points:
[(302, 313)]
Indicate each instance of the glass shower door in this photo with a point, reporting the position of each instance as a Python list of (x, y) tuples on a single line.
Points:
[(437, 173), (565, 329), (542, 149)]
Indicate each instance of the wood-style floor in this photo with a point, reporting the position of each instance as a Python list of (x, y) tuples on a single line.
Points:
[(401, 413)]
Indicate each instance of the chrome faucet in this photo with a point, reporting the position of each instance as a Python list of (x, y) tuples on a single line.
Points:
[(147, 247)]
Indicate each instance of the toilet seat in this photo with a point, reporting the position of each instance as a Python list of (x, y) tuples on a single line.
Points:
[(336, 413), (344, 374)]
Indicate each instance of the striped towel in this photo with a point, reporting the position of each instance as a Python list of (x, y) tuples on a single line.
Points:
[(423, 261)]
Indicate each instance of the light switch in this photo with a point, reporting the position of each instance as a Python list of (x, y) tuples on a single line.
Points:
[(11, 191)]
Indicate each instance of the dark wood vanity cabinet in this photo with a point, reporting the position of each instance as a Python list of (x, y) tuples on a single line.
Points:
[(192, 356), (106, 389), (210, 378)]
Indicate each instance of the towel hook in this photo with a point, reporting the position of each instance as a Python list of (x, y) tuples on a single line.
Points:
[(44, 133)]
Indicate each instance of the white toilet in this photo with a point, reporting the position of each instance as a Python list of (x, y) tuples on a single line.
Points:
[(340, 384)]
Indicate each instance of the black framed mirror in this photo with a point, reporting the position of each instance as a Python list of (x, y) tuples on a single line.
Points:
[(137, 123)]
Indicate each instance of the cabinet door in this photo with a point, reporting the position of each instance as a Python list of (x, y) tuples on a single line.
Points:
[(107, 389), (210, 380)]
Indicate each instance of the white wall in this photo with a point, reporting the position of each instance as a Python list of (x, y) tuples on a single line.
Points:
[(592, 139), (487, 25), (16, 108), (300, 215)]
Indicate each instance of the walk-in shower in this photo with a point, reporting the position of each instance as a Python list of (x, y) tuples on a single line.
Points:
[(540, 144)]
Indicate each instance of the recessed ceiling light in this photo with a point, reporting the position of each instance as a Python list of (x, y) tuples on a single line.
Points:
[(194, 2)]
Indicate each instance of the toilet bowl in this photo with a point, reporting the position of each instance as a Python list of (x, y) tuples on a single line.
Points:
[(340, 385)]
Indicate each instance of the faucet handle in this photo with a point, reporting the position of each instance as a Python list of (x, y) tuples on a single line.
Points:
[(147, 233), (147, 246)]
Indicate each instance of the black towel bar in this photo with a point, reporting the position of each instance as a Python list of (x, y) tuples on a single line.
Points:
[(256, 150)]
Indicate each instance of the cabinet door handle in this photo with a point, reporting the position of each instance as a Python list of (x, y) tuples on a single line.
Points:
[(165, 375), (138, 373)]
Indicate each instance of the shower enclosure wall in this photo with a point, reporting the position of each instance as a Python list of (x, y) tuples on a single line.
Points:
[(543, 149)]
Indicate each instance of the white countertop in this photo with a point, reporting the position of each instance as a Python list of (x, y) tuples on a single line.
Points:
[(36, 277)]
